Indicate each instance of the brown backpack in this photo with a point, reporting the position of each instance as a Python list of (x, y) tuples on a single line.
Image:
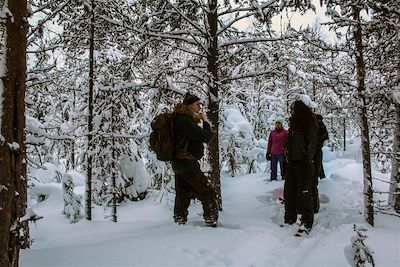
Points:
[(162, 136)]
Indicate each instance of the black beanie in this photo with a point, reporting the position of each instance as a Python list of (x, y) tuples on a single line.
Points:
[(190, 99)]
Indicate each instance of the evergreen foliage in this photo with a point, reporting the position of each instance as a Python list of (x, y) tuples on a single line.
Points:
[(362, 254), (72, 201)]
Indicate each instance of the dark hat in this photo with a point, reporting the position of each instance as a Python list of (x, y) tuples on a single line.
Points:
[(190, 99)]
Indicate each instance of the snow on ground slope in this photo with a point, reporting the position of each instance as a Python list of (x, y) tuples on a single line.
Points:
[(250, 232)]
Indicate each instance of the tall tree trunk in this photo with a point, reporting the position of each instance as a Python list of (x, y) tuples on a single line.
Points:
[(113, 163), (90, 119), (72, 143), (344, 133), (13, 183), (365, 144), (213, 114), (258, 127), (394, 197)]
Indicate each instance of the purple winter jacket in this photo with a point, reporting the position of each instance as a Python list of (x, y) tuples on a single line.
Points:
[(276, 141)]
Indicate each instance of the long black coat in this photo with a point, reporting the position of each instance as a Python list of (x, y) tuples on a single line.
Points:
[(321, 138), (190, 137), (301, 144)]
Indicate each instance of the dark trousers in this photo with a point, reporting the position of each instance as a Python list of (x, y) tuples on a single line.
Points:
[(191, 184), (275, 159), (298, 192), (315, 195), (318, 173), (318, 166)]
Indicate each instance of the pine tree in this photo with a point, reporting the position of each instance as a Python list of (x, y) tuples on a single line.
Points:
[(89, 31), (351, 10), (362, 253), (89, 181), (72, 201), (384, 32)]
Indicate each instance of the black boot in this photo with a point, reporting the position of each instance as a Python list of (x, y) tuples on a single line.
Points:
[(180, 219), (211, 223)]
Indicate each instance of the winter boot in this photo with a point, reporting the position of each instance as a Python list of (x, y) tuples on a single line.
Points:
[(180, 220), (303, 230), (211, 222), (212, 219), (290, 222)]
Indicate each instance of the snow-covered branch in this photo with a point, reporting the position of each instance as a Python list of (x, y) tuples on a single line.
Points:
[(183, 49), (30, 215), (268, 73), (174, 35), (248, 8), (191, 22), (254, 40), (233, 21), (49, 48), (43, 70), (124, 86), (49, 17)]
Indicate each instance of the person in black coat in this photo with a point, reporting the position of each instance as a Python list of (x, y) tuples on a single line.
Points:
[(300, 150), (189, 179)]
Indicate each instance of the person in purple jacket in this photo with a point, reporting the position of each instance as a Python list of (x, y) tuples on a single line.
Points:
[(276, 149)]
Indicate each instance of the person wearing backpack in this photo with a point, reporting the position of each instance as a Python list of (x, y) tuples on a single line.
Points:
[(276, 148), (300, 150), (322, 136), (189, 138)]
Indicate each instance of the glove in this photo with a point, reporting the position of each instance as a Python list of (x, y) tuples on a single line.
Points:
[(268, 156)]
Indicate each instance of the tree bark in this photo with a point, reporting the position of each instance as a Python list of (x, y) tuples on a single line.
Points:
[(13, 183), (88, 209), (213, 113), (394, 189), (365, 143), (113, 164), (394, 196)]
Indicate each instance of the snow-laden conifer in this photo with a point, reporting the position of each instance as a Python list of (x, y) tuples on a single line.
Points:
[(72, 201), (238, 146), (362, 253)]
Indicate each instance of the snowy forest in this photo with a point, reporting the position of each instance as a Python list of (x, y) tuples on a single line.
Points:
[(82, 80)]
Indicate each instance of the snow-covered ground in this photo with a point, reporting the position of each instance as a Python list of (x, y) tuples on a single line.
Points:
[(250, 232)]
